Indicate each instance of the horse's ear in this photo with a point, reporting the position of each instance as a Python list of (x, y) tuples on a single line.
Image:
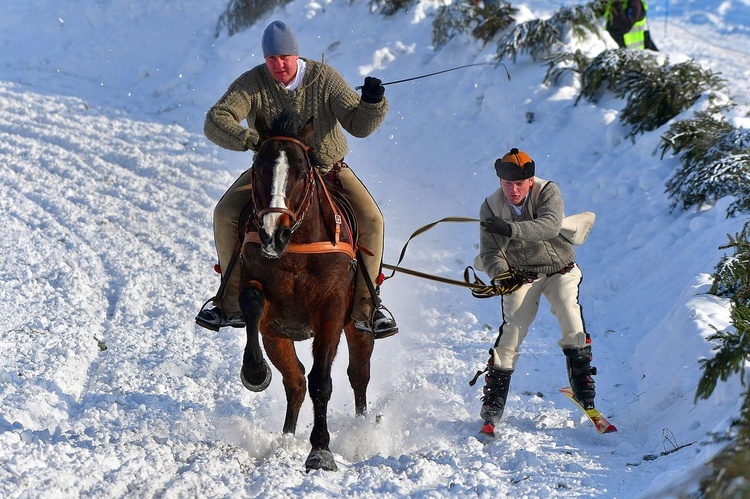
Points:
[(307, 131), (262, 128)]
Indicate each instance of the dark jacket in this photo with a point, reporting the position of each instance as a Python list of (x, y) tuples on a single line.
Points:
[(620, 17)]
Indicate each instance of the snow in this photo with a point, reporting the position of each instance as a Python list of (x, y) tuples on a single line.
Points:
[(107, 186)]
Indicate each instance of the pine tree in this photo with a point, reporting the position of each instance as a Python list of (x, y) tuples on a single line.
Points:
[(656, 95), (715, 162), (390, 7), (241, 14), (542, 38), (482, 21)]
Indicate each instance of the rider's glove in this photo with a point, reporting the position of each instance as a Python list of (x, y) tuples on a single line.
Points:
[(372, 90)]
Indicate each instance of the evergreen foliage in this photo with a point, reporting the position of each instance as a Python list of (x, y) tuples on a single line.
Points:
[(559, 64), (581, 20), (544, 37), (732, 276), (657, 95), (241, 14), (715, 162), (391, 7), (731, 355), (730, 475), (494, 18), (730, 469), (462, 17), (609, 67), (537, 37)]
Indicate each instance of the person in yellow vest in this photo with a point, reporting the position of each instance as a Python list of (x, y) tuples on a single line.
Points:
[(626, 23), (516, 235)]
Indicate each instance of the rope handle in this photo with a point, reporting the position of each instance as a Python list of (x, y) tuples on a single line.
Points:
[(422, 230)]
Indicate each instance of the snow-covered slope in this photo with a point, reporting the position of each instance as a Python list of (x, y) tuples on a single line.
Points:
[(107, 186)]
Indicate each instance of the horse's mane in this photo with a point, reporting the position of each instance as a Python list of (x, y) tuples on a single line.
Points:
[(287, 124)]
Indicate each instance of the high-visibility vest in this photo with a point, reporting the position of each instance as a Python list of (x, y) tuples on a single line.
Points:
[(635, 38)]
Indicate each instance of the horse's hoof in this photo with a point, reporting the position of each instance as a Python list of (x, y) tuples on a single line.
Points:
[(263, 384), (320, 459)]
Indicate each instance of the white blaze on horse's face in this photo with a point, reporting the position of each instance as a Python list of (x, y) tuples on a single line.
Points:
[(278, 196)]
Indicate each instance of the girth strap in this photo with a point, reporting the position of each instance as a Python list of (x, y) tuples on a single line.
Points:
[(317, 247), (308, 248)]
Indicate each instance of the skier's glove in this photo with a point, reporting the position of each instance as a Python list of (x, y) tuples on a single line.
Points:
[(496, 225), (373, 90), (507, 282)]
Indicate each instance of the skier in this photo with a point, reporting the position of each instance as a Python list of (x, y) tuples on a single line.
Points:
[(520, 232)]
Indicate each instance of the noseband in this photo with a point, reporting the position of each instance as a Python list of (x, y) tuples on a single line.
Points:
[(309, 181)]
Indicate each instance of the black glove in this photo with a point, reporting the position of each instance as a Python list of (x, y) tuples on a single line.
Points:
[(507, 282), (496, 225), (372, 90)]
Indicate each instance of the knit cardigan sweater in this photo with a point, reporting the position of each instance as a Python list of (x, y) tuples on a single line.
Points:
[(535, 243), (323, 94)]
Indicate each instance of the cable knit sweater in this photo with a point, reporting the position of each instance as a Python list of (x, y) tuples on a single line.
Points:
[(323, 94), (535, 243)]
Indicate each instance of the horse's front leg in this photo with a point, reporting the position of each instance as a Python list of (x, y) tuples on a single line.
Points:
[(320, 385), (360, 352), (255, 373), (284, 357)]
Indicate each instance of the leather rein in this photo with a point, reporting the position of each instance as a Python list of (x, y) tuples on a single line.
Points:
[(311, 179)]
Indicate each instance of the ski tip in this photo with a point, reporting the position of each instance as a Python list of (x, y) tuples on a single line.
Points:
[(609, 429), (487, 433)]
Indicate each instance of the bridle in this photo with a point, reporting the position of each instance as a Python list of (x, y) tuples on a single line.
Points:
[(307, 195), (311, 180)]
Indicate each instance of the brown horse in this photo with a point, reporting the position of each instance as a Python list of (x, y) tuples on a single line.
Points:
[(297, 282)]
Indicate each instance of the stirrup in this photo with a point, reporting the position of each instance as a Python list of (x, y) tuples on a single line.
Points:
[(379, 324), (384, 326), (215, 318)]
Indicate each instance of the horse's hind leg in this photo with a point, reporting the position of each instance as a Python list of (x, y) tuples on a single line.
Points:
[(360, 352), (283, 356), (255, 373)]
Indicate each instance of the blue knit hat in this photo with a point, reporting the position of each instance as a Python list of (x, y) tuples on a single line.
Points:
[(278, 39)]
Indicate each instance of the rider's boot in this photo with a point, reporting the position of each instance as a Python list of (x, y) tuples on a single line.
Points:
[(215, 318), (380, 325)]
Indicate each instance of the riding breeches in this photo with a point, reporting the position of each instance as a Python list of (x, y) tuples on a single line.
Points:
[(520, 308), (226, 220), (371, 233), (370, 226)]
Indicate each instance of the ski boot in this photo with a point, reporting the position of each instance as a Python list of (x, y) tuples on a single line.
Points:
[(580, 372), (496, 385)]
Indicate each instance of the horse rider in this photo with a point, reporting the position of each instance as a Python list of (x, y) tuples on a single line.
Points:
[(312, 89), (519, 236)]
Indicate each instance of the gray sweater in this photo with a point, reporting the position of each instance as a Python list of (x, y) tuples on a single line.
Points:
[(535, 243), (323, 94)]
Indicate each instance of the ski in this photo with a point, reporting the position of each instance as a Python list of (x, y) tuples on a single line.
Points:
[(486, 434), (596, 417)]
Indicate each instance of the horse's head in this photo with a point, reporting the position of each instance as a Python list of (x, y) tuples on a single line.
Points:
[(283, 181)]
